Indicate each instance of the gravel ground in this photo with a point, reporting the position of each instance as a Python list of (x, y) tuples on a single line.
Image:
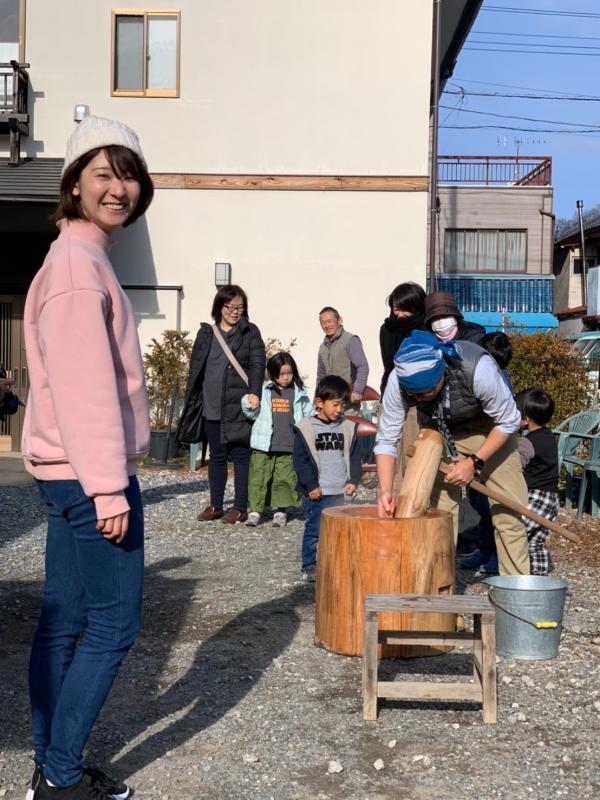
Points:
[(225, 696)]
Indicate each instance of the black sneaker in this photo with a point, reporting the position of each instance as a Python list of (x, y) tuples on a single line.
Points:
[(116, 790), (35, 779), (78, 791)]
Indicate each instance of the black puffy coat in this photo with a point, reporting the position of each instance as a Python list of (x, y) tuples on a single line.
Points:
[(470, 331), (247, 346), (391, 335)]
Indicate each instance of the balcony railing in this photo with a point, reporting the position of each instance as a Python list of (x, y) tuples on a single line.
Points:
[(14, 118), (496, 170), (510, 294)]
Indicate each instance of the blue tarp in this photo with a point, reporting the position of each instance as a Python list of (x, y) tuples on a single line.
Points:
[(517, 322)]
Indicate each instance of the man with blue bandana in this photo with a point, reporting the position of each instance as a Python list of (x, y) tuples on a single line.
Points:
[(458, 389)]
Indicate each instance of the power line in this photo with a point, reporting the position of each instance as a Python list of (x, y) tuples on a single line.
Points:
[(576, 98), (532, 44), (542, 12), (514, 128), (534, 35), (535, 52), (526, 119), (512, 86), (461, 100)]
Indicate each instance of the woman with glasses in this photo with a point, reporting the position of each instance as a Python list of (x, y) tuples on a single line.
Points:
[(212, 409)]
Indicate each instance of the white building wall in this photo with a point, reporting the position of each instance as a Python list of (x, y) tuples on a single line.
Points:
[(267, 87), (293, 252)]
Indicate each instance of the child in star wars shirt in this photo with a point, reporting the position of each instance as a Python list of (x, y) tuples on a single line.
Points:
[(326, 460)]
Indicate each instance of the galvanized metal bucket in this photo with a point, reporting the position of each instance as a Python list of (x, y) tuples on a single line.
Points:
[(529, 613)]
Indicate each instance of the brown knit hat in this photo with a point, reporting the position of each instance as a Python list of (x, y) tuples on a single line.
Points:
[(441, 304)]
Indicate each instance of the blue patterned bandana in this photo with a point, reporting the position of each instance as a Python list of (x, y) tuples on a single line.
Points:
[(421, 361)]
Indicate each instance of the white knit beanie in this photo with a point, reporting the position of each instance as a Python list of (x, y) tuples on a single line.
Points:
[(94, 132)]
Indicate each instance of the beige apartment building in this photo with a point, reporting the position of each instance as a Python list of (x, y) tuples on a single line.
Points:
[(288, 140), (495, 233)]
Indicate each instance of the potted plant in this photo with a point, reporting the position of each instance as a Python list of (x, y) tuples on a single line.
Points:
[(166, 365)]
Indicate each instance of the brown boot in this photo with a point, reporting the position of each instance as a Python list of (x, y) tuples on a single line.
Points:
[(235, 515), (210, 513)]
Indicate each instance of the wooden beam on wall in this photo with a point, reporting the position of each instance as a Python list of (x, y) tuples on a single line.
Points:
[(294, 183)]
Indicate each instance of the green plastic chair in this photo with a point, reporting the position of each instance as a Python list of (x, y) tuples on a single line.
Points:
[(572, 431), (590, 477), (576, 446)]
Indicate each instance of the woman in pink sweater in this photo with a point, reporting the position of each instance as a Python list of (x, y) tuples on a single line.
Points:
[(86, 426)]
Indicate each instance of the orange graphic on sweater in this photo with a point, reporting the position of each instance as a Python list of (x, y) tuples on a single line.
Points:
[(280, 405)]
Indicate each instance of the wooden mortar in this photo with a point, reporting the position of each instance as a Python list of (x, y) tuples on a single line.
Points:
[(359, 554)]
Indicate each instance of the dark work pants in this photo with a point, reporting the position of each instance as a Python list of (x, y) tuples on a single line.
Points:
[(217, 467), (487, 539)]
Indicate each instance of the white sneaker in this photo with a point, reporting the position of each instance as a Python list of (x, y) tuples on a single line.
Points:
[(279, 519), (253, 519)]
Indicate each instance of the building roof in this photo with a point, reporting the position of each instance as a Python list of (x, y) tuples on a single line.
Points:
[(457, 18), (35, 181), (571, 313), (570, 236)]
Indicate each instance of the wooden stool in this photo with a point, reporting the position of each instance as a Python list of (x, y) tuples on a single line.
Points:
[(482, 642)]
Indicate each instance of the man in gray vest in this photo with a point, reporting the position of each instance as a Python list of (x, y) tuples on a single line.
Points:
[(342, 354), (459, 390)]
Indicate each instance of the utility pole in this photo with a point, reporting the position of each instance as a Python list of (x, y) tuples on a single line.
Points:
[(433, 188), (582, 253)]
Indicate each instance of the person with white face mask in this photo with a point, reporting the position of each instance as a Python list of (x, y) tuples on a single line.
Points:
[(444, 319), (445, 328)]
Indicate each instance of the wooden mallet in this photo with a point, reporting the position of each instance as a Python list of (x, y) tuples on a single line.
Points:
[(420, 476)]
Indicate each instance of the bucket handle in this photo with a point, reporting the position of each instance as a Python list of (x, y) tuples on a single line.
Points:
[(540, 625)]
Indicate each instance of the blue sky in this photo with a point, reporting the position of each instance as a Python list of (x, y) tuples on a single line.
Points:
[(576, 156)]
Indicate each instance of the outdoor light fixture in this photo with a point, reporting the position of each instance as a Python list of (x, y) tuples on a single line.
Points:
[(222, 274), (81, 111)]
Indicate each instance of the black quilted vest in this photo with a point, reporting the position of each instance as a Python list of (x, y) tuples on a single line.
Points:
[(461, 407)]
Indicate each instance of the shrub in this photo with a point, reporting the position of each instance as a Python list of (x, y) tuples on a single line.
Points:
[(166, 366), (273, 345), (545, 361)]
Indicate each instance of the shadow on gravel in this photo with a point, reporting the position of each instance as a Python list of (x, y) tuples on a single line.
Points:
[(449, 664), (20, 602), (167, 491), (22, 510), (226, 667)]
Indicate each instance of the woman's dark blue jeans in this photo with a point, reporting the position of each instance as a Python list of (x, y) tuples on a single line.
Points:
[(217, 467), (90, 617)]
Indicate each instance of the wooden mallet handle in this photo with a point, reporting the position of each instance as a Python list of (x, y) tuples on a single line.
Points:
[(419, 477), (512, 504)]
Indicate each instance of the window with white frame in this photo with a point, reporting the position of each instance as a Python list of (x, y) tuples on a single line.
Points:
[(485, 251), (145, 59)]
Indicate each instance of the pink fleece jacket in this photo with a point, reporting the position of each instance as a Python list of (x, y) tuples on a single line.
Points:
[(87, 409)]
